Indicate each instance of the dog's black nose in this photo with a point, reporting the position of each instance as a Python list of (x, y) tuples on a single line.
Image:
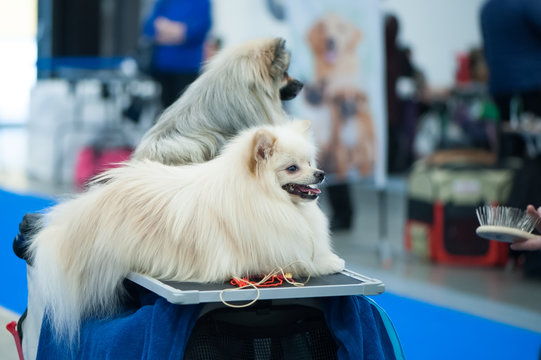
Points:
[(291, 90), (331, 44), (319, 175)]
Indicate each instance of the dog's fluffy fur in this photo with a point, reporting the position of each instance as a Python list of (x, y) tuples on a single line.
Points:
[(248, 211), (241, 86)]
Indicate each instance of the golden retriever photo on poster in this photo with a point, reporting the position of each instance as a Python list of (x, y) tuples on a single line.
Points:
[(339, 93), (333, 41)]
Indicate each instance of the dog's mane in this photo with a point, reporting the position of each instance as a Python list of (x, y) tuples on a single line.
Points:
[(239, 88)]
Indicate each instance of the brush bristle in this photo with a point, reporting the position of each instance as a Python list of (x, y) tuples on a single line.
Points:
[(506, 216)]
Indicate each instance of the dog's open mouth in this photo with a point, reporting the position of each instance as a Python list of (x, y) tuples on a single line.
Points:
[(331, 56), (304, 191)]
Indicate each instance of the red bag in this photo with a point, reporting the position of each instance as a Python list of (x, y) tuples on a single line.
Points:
[(92, 161)]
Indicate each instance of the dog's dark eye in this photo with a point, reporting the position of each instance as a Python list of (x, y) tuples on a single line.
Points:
[(292, 168)]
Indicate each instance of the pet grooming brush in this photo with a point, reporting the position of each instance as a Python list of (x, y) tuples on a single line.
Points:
[(504, 223)]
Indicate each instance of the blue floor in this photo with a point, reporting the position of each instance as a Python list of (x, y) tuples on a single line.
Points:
[(12, 269), (428, 331)]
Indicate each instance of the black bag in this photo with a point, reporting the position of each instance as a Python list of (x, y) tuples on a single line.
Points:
[(265, 332)]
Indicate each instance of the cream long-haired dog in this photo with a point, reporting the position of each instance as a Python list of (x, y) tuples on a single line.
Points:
[(249, 210), (241, 86)]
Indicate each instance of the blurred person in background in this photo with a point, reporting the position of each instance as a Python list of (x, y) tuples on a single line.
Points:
[(178, 30), (511, 31), (405, 85)]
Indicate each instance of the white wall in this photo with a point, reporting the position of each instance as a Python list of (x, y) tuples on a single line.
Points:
[(436, 31), (240, 20)]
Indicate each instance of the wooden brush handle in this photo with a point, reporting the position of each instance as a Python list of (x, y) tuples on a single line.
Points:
[(502, 233)]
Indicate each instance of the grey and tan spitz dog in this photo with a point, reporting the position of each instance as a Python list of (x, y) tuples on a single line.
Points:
[(240, 87)]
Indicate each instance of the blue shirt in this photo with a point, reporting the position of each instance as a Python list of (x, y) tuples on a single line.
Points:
[(511, 32), (188, 56)]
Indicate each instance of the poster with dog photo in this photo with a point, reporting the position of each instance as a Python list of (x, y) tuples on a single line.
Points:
[(338, 54)]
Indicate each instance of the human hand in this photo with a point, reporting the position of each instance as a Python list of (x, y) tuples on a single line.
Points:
[(533, 243), (169, 32), (530, 209)]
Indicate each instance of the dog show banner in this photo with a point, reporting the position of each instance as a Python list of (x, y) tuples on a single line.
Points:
[(338, 53)]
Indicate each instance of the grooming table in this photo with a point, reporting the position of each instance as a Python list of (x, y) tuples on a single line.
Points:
[(341, 284)]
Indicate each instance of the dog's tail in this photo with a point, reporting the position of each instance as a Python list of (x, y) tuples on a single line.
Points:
[(72, 285)]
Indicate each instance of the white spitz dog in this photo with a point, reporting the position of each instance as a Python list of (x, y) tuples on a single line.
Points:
[(246, 212)]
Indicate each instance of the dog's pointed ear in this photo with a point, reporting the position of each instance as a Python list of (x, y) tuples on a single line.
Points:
[(355, 38), (262, 147), (302, 126), (278, 58), (279, 44), (315, 35)]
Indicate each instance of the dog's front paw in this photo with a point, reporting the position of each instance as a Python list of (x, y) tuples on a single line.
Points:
[(332, 264)]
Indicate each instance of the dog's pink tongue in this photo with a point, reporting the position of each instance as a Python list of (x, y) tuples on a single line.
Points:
[(309, 189), (330, 56)]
